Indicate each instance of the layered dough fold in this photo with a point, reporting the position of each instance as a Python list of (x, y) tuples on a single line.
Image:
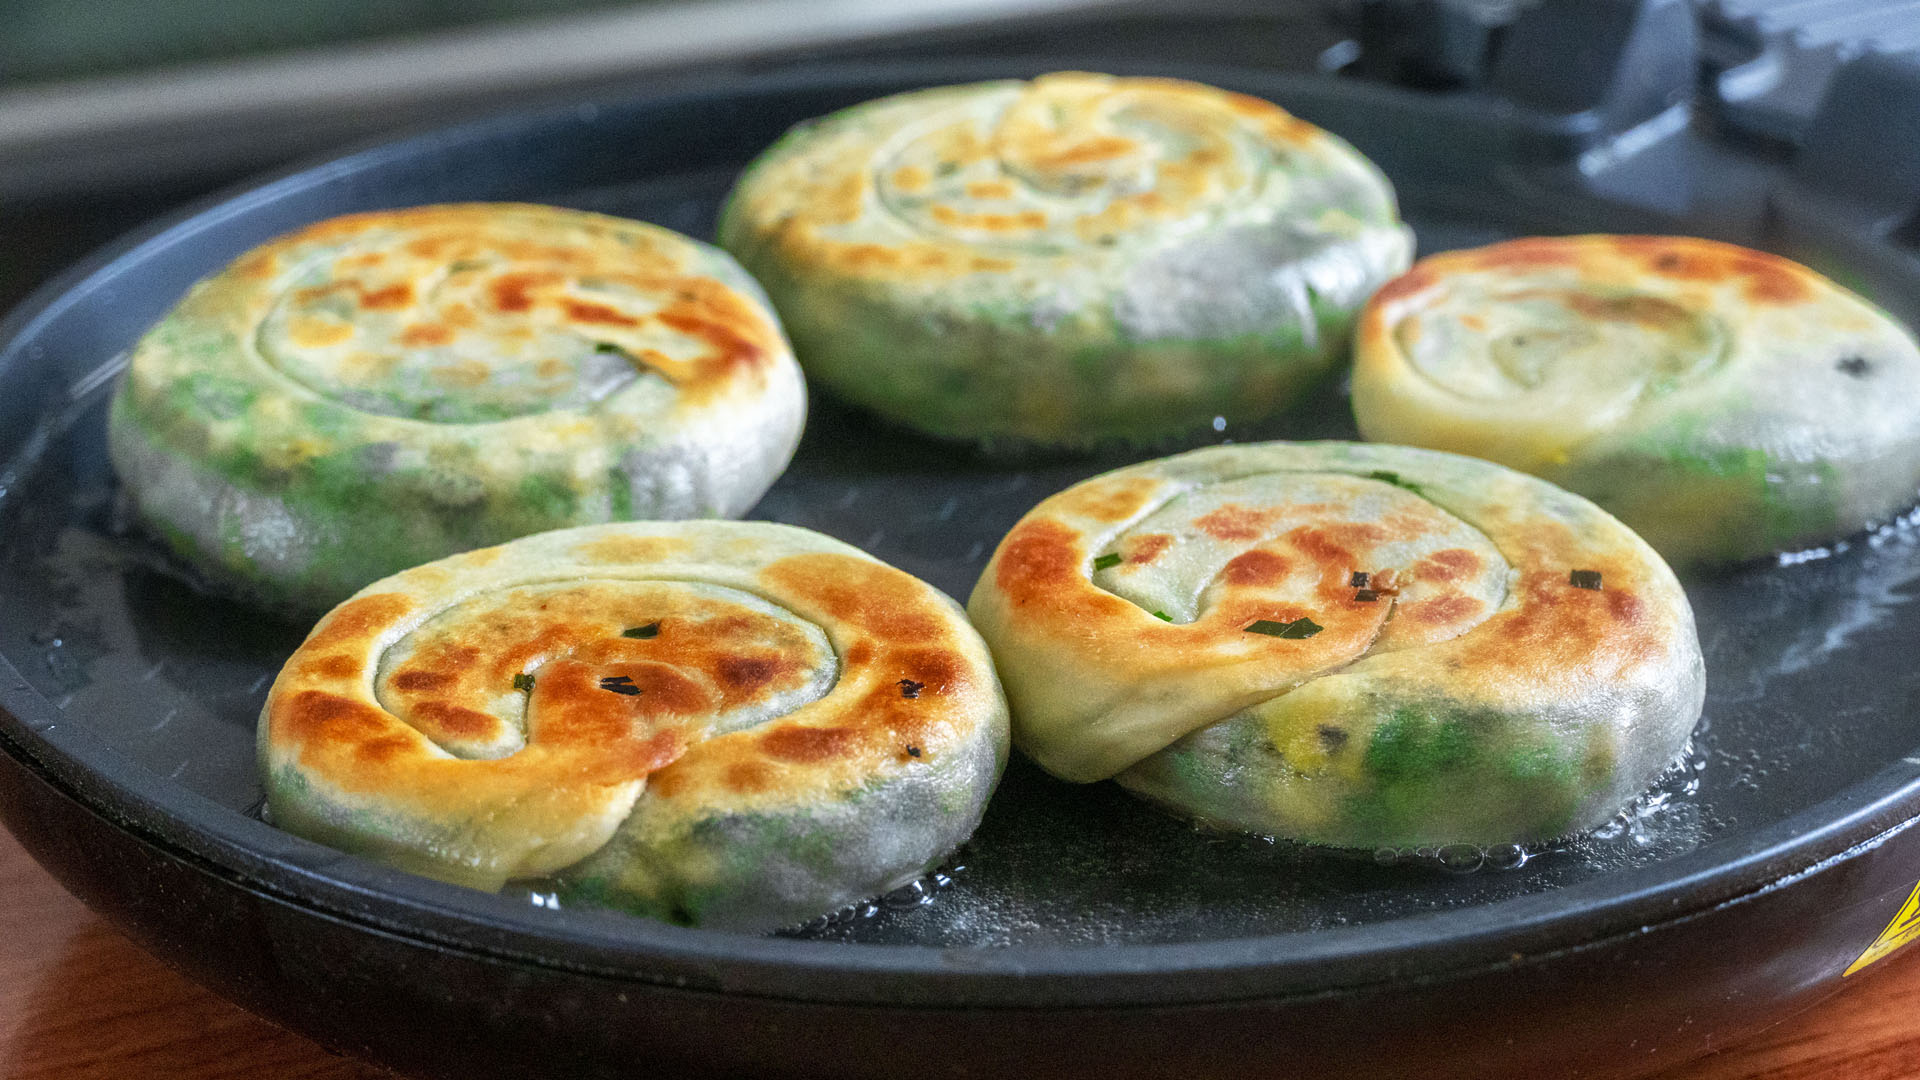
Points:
[(1342, 643), (733, 724)]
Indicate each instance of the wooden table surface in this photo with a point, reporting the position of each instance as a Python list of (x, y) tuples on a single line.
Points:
[(80, 1002)]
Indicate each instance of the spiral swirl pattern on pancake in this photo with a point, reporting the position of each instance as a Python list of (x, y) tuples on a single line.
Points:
[(727, 724), (1723, 402), (1343, 644), (1073, 260), (385, 388)]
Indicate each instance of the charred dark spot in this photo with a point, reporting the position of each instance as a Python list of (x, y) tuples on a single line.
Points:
[(913, 751), (1359, 579), (911, 689), (744, 672), (619, 684), (1856, 366)]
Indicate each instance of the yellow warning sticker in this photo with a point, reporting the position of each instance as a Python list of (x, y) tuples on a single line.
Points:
[(1904, 928)]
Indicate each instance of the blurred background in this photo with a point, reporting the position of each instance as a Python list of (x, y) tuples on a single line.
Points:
[(113, 111)]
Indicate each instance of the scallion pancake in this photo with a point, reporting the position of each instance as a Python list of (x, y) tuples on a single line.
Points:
[(1345, 644)]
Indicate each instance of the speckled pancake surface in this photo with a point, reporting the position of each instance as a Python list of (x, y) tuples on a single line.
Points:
[(1073, 260), (1723, 402), (386, 388), (1346, 644), (727, 724)]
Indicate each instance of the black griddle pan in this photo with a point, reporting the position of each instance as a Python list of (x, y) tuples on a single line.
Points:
[(1081, 933)]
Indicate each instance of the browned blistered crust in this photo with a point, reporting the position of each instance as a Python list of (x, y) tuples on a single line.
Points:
[(369, 737), (540, 253), (1064, 640)]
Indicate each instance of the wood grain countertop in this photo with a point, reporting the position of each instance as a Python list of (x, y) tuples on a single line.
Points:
[(80, 1002)]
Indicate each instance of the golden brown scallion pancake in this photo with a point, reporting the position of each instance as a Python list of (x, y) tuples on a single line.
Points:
[(381, 389), (1723, 402), (1343, 643), (725, 724), (1074, 260)]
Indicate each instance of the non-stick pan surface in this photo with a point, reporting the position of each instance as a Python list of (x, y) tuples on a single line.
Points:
[(1083, 933)]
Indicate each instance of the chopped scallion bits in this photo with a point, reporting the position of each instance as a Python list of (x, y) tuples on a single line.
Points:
[(523, 682), (1358, 580), (1302, 627), (1163, 616), (1585, 579), (652, 629), (608, 347), (1105, 561), (1366, 596)]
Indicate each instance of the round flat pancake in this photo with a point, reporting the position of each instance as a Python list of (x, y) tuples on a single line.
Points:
[(1072, 260), (718, 723), (1357, 645), (1723, 402), (382, 389)]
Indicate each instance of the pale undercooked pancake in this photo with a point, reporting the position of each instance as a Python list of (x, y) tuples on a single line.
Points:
[(1075, 260), (1723, 402), (1344, 644), (386, 388), (721, 724)]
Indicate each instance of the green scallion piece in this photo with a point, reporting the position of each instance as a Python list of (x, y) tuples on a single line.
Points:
[(1163, 616), (1302, 627), (1105, 561), (523, 682), (652, 629)]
